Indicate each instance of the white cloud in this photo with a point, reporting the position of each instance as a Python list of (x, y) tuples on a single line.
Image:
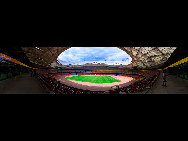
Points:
[(78, 55)]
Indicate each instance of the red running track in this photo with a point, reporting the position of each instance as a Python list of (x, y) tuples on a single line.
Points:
[(125, 81)]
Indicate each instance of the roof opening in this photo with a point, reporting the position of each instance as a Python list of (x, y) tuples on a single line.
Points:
[(94, 55)]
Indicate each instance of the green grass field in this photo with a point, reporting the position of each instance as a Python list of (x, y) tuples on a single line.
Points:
[(94, 79)]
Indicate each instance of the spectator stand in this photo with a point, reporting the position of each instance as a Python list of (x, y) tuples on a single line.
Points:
[(56, 87)]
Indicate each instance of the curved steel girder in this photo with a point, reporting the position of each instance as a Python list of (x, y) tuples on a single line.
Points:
[(142, 57)]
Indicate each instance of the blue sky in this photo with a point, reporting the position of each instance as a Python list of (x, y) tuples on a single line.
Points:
[(82, 55)]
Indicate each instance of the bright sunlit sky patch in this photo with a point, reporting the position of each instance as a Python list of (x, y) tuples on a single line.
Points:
[(94, 55)]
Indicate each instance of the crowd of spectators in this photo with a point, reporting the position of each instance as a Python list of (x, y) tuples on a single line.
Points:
[(142, 80), (57, 87), (146, 82)]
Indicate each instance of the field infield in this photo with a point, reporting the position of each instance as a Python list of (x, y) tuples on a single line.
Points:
[(94, 79)]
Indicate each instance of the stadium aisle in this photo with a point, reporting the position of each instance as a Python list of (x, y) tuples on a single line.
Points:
[(175, 85), (23, 84)]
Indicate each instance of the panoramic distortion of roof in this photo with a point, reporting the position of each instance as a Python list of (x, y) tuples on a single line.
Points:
[(142, 57)]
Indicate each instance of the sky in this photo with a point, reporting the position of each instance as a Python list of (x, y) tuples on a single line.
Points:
[(83, 55)]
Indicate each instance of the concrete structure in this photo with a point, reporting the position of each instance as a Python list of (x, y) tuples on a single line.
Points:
[(22, 84)]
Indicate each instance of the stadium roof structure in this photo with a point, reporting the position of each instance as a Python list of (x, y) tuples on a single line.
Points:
[(142, 57)]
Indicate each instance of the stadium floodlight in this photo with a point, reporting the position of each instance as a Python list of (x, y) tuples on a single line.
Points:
[(38, 48)]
